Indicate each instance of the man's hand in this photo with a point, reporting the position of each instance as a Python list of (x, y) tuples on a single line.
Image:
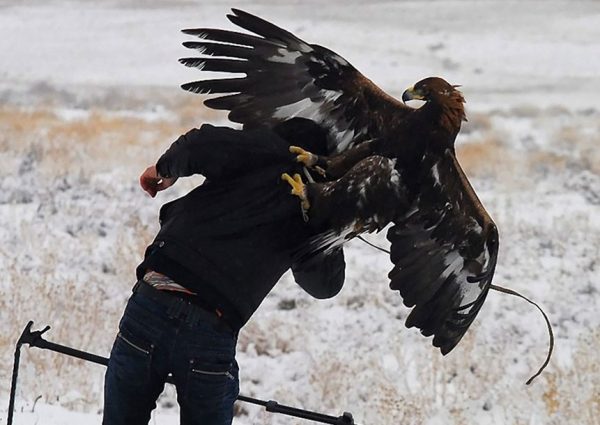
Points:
[(152, 182)]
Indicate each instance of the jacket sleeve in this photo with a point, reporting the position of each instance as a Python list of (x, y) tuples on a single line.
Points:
[(321, 276), (217, 152)]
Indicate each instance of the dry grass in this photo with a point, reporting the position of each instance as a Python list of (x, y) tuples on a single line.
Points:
[(82, 306), (474, 384), (582, 144), (491, 152), (485, 156), (471, 386), (477, 122), (96, 141)]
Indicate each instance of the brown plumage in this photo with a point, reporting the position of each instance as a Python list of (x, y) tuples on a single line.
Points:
[(386, 161), (449, 99)]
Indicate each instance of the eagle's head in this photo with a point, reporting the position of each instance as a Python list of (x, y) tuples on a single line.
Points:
[(432, 89), (444, 97)]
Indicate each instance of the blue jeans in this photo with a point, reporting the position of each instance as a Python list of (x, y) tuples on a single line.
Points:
[(149, 346)]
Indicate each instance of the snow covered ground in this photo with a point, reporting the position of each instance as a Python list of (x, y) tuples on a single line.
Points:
[(89, 97)]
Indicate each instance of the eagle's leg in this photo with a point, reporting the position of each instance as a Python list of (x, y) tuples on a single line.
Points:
[(303, 156), (334, 167), (307, 158), (298, 189)]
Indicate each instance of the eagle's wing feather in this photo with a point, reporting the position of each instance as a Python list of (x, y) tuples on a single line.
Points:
[(286, 77), (362, 200), (444, 253)]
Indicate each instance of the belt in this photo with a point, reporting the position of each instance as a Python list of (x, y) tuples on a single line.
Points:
[(181, 306)]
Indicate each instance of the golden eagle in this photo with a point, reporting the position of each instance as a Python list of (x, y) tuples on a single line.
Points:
[(385, 162)]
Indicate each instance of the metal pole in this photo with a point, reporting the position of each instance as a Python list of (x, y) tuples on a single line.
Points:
[(15, 373), (13, 385), (274, 407)]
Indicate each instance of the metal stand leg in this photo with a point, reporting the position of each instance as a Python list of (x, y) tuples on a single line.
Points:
[(15, 373)]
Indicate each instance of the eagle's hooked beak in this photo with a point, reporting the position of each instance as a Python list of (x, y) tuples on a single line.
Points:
[(412, 94)]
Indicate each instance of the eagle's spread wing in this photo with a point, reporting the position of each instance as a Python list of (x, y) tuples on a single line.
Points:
[(444, 253), (287, 77)]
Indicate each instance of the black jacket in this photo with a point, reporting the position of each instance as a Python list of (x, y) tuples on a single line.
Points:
[(232, 238)]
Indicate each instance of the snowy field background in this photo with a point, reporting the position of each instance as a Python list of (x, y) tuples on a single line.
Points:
[(89, 96)]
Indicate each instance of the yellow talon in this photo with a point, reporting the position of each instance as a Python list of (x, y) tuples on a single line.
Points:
[(303, 156), (298, 188)]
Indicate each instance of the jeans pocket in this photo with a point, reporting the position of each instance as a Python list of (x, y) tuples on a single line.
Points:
[(212, 380), (136, 344), (208, 370), (131, 356)]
